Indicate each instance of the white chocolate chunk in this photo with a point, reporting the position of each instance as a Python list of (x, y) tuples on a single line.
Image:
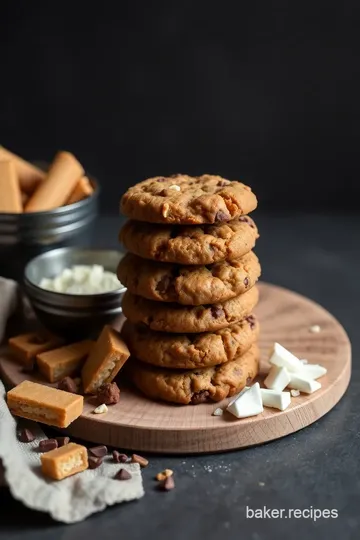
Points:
[(315, 329), (248, 403), (304, 384), (277, 379), (101, 409), (218, 412), (274, 399), (294, 393), (281, 357), (313, 371), (81, 279), (175, 187)]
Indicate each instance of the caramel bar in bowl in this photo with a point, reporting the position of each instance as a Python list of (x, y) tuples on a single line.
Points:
[(105, 360), (64, 461), (63, 362), (44, 404), (27, 346)]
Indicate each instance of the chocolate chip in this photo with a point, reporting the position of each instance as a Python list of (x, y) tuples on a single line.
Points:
[(251, 320), (221, 216), (62, 441), (168, 484), (98, 451), (216, 311), (163, 284), (246, 281), (47, 445), (123, 474), (108, 393), (68, 385), (143, 462), (175, 175), (223, 183), (200, 397), (119, 458), (95, 462), (247, 220), (161, 179), (25, 435)]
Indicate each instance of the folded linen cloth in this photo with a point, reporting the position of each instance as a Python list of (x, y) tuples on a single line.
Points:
[(69, 500)]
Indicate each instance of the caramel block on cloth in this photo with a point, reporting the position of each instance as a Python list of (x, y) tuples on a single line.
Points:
[(65, 461), (105, 360), (63, 362), (27, 346), (10, 194), (29, 175), (82, 190), (55, 190), (44, 404)]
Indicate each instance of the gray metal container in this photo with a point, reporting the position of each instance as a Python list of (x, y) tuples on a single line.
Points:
[(24, 236)]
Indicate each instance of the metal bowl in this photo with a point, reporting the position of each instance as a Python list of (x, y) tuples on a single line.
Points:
[(23, 236), (72, 315)]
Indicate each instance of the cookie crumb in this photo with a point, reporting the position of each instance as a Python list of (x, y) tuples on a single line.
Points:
[(175, 187), (295, 393), (261, 484), (218, 412), (101, 409), (315, 329), (161, 476)]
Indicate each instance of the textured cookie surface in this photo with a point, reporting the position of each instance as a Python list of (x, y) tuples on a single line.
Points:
[(189, 285), (199, 244), (199, 385), (185, 199), (190, 351), (176, 318)]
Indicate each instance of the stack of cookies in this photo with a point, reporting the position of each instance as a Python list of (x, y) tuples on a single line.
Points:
[(190, 275)]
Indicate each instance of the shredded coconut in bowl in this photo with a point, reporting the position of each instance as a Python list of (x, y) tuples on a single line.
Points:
[(82, 279)]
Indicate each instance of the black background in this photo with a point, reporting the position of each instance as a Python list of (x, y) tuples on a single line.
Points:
[(263, 91)]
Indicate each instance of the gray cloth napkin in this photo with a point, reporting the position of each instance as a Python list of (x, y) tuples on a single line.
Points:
[(69, 500)]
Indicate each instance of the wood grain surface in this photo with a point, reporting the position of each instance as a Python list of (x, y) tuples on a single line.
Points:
[(136, 423)]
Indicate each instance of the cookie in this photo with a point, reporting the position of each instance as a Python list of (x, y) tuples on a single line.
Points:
[(189, 285), (185, 199), (199, 385), (192, 319), (191, 351), (197, 244)]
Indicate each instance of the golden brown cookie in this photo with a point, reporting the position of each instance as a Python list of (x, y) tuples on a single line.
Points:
[(196, 244), (199, 385), (190, 319), (189, 285), (191, 351), (185, 199)]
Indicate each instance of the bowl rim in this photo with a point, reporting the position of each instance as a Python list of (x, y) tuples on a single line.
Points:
[(54, 294)]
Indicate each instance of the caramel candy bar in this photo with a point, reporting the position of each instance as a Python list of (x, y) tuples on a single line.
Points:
[(44, 404), (105, 360), (10, 194), (82, 190), (65, 361), (29, 175), (26, 346), (65, 461), (57, 187)]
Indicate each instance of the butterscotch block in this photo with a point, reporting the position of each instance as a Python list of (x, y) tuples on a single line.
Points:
[(64, 461), (105, 360), (63, 362), (44, 404), (27, 346)]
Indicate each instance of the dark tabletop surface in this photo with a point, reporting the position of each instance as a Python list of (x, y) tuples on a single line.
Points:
[(318, 467)]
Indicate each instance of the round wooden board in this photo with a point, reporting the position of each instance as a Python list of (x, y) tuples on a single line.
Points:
[(136, 423)]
